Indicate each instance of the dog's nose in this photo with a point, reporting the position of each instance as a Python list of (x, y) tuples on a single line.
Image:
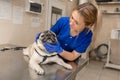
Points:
[(54, 42)]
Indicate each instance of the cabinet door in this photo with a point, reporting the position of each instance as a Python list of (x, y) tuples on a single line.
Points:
[(55, 9)]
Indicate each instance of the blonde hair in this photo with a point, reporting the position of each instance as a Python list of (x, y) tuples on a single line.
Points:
[(89, 12)]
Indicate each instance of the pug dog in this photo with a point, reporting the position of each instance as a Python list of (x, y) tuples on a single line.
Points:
[(38, 54)]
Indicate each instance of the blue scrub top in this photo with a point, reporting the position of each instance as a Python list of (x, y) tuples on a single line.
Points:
[(69, 43)]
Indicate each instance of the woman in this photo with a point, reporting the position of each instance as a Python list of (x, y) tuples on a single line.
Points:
[(74, 33)]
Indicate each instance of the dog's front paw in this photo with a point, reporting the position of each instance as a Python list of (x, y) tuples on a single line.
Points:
[(40, 71), (68, 66), (25, 52)]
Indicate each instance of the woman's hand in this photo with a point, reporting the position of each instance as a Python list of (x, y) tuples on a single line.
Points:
[(53, 47)]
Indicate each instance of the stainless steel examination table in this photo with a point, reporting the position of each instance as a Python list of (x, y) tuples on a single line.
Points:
[(14, 66)]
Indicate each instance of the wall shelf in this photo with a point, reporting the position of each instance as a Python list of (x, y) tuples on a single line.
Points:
[(107, 3), (112, 13)]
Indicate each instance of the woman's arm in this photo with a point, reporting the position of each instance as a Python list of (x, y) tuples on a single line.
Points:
[(71, 56)]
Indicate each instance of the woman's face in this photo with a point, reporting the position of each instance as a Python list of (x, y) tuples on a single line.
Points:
[(77, 23)]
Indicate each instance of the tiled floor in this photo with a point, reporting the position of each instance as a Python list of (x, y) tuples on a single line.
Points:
[(95, 71)]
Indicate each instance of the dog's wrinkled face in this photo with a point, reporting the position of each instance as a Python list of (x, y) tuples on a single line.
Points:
[(48, 36)]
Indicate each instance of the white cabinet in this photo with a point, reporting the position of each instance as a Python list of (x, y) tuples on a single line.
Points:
[(113, 57), (115, 34)]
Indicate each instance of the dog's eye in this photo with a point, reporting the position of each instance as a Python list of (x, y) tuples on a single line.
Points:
[(42, 35), (53, 35)]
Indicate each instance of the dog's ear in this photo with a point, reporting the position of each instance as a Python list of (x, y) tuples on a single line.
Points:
[(37, 36)]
